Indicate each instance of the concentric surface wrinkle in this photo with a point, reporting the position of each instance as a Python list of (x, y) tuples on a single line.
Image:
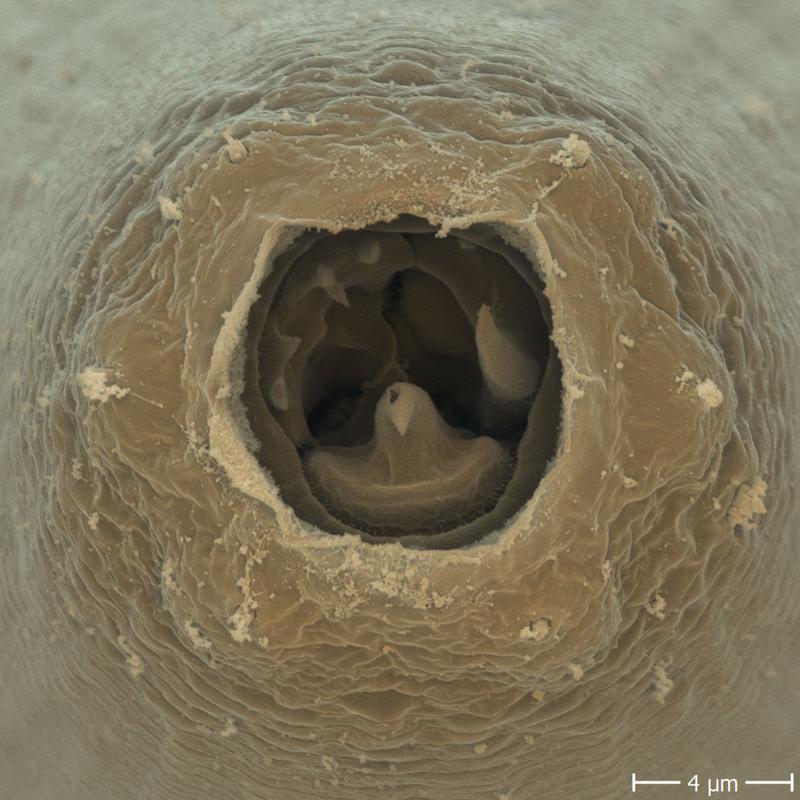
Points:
[(401, 409)]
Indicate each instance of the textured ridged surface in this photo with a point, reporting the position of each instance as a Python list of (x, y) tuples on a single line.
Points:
[(171, 628)]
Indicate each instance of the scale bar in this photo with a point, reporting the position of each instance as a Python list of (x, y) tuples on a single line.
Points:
[(789, 783), (639, 782)]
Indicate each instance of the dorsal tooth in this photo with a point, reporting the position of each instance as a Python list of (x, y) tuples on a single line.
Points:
[(510, 372), (416, 468), (401, 403)]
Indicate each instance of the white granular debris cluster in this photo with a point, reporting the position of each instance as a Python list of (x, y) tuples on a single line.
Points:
[(132, 659), (656, 606), (576, 670), (662, 683), (94, 385), (537, 631), (574, 152), (709, 393), (170, 209)]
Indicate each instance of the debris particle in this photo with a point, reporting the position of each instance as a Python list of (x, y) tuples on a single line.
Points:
[(656, 606), (133, 660), (237, 151), (662, 684), (709, 393), (574, 153), (538, 631), (170, 210), (749, 501), (576, 671), (94, 385)]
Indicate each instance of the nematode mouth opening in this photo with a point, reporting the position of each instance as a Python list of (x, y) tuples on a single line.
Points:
[(392, 375)]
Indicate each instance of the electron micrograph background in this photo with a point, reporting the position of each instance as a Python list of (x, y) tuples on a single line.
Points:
[(399, 401)]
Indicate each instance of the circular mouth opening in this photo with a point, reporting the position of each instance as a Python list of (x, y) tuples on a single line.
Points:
[(403, 386)]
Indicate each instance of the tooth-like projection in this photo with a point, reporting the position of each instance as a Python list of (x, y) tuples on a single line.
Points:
[(279, 351), (510, 372), (415, 474), (398, 403)]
